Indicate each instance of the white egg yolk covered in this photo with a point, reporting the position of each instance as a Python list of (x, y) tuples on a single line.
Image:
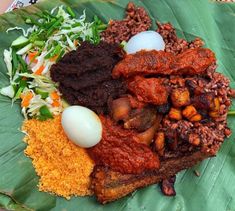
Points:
[(82, 126), (147, 40)]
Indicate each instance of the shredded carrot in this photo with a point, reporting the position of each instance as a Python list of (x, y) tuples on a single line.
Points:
[(52, 59), (39, 70), (26, 99), (55, 103), (32, 55), (63, 167), (54, 96)]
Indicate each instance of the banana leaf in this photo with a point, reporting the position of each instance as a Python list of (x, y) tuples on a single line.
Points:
[(212, 190)]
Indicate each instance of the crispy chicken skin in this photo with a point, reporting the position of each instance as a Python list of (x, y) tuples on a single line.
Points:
[(149, 90), (190, 62)]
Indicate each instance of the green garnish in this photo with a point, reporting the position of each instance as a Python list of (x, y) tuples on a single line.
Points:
[(71, 12), (45, 113), (231, 113)]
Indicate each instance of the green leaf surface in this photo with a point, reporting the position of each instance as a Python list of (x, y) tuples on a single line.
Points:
[(213, 190)]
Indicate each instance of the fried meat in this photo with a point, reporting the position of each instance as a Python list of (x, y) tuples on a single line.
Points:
[(149, 90), (120, 150), (190, 62), (111, 185)]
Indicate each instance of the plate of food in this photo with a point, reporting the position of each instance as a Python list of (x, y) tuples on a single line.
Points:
[(117, 105)]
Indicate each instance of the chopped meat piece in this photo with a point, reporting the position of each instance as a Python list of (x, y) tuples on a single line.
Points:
[(149, 90), (140, 119), (190, 62), (120, 151), (167, 186), (120, 108)]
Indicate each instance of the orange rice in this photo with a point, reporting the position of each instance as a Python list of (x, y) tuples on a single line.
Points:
[(63, 167)]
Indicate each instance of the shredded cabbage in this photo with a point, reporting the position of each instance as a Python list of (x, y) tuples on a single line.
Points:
[(8, 61), (50, 37)]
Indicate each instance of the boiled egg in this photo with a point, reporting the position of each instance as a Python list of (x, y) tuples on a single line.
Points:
[(147, 40), (82, 126)]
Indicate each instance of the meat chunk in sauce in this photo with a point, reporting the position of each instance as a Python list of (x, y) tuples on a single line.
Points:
[(119, 150), (149, 90)]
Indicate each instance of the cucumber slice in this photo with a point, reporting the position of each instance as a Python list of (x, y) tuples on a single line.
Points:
[(41, 92), (20, 42), (24, 49)]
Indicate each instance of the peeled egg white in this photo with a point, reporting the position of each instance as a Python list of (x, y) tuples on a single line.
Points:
[(82, 126), (147, 40)]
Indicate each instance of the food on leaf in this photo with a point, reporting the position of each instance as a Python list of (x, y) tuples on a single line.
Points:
[(156, 109)]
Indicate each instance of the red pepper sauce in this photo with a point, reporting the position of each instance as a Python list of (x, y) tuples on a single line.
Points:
[(119, 150)]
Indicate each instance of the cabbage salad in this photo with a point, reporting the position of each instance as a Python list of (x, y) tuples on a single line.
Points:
[(30, 57)]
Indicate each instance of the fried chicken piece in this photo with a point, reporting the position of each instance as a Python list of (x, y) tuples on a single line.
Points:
[(111, 185), (143, 62), (190, 62), (149, 90), (193, 61)]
